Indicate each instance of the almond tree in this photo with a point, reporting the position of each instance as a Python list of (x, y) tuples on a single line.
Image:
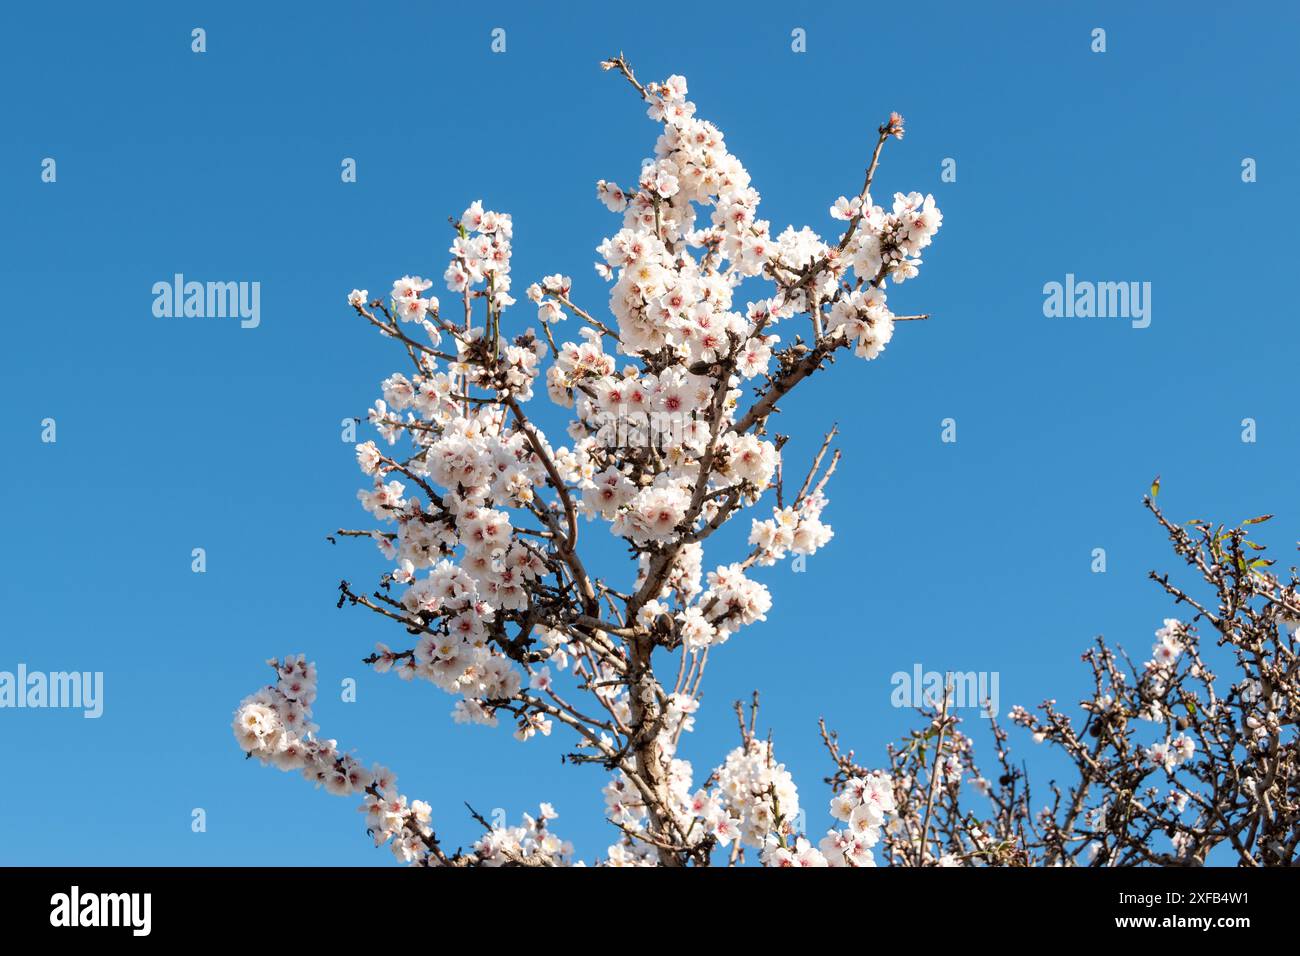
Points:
[(481, 511), (1172, 765)]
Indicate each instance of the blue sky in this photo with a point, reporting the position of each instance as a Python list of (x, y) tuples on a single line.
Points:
[(183, 433)]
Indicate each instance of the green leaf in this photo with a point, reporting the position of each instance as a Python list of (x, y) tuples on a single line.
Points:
[(1155, 486), (1260, 520)]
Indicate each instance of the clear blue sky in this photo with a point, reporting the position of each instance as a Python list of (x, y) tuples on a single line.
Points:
[(176, 434)]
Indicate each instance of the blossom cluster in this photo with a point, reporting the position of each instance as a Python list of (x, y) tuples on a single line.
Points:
[(864, 805), (755, 797), (530, 841), (796, 529), (481, 254)]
